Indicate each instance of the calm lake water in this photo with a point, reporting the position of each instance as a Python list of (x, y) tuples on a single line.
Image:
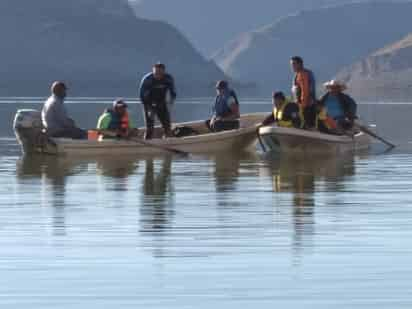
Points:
[(251, 230)]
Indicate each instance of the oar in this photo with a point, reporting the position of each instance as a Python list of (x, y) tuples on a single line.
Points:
[(165, 148), (260, 138), (369, 132), (145, 143)]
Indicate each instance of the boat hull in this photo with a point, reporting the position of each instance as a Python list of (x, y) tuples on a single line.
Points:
[(243, 139), (297, 141)]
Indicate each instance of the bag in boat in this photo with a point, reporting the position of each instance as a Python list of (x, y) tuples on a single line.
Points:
[(184, 131)]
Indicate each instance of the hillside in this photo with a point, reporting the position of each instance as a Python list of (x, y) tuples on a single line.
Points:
[(98, 46), (328, 39), (210, 24), (384, 75)]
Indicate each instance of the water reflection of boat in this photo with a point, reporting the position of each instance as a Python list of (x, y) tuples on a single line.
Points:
[(297, 181), (297, 141), (56, 169), (289, 172), (157, 198)]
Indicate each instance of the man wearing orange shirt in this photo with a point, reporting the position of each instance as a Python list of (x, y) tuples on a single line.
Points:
[(304, 89)]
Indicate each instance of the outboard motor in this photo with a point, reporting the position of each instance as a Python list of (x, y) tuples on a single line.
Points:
[(29, 130)]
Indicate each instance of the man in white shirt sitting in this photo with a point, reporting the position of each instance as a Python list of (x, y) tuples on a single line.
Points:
[(54, 115)]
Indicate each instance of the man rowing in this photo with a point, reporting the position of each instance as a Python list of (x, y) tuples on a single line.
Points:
[(157, 90), (116, 120), (337, 110)]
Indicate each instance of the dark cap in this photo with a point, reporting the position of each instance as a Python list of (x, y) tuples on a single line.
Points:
[(297, 59), (160, 65), (58, 84), (222, 84), (119, 103), (278, 95)]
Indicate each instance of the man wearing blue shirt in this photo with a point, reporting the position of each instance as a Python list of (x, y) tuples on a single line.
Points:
[(157, 90)]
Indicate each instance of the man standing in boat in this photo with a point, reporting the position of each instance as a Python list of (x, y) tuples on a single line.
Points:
[(304, 90), (54, 115), (226, 109), (157, 90)]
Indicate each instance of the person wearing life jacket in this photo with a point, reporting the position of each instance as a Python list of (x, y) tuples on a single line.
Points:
[(304, 90), (225, 110), (157, 91), (285, 112), (116, 120), (337, 110)]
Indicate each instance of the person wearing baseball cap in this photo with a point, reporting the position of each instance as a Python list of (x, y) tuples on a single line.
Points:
[(225, 110), (157, 91), (116, 119), (54, 115)]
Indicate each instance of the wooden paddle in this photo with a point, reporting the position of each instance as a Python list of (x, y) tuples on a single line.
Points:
[(371, 133), (165, 148), (260, 138), (144, 143)]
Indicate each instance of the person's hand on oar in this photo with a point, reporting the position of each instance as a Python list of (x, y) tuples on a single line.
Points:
[(366, 130)]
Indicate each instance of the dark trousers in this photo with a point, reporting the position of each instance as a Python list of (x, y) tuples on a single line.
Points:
[(74, 133), (309, 115), (162, 112)]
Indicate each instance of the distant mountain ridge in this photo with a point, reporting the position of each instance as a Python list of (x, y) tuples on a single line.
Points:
[(386, 74), (212, 23), (328, 39), (98, 46)]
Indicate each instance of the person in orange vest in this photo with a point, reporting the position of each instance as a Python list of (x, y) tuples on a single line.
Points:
[(116, 119), (304, 89)]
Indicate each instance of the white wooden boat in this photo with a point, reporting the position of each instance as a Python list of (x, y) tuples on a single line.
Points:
[(298, 141), (27, 126)]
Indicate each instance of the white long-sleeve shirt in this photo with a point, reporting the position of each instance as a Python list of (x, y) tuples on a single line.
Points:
[(54, 115)]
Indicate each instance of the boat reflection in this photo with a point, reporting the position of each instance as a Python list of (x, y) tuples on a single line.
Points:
[(57, 176), (157, 200), (156, 207), (304, 178), (53, 174)]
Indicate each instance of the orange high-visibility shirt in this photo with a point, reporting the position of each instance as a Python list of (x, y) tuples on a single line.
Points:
[(303, 82)]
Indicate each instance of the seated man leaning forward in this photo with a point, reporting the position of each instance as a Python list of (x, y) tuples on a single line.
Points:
[(226, 109), (54, 115), (285, 113), (337, 110), (116, 121)]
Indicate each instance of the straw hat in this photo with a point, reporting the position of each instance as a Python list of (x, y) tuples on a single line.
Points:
[(335, 84)]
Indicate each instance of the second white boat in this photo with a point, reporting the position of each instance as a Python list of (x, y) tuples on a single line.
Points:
[(298, 141)]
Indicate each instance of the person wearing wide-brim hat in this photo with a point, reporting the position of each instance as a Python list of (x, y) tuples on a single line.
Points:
[(337, 111), (335, 85)]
